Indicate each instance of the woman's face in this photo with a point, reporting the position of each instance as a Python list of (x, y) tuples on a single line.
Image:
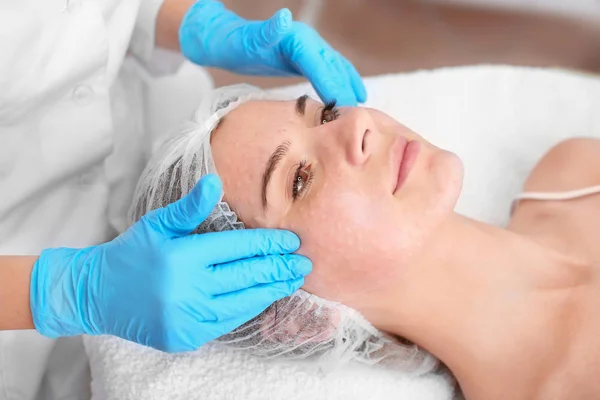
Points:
[(363, 192)]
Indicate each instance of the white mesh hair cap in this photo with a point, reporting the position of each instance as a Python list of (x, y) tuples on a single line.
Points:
[(302, 326)]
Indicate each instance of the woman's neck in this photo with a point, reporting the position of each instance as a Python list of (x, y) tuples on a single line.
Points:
[(479, 293)]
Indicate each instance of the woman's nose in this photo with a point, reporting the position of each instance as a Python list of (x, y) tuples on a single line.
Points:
[(352, 133)]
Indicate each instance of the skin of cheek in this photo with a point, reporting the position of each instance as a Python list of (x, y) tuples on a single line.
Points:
[(353, 246), (361, 240)]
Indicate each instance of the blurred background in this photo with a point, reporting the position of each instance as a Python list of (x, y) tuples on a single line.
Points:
[(386, 36)]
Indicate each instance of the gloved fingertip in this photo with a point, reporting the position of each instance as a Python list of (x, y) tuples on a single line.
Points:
[(212, 181), (289, 241), (295, 285), (346, 101), (283, 19), (338, 93), (352, 102), (356, 82), (277, 26), (301, 265), (325, 96), (361, 93), (211, 188)]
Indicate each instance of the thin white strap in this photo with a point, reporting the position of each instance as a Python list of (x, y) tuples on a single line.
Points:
[(566, 195)]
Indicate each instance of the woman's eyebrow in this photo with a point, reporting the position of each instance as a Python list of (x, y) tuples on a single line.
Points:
[(271, 167), (301, 105)]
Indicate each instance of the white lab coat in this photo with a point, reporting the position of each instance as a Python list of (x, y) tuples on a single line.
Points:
[(73, 139)]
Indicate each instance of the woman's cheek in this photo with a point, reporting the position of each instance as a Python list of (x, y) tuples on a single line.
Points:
[(342, 238)]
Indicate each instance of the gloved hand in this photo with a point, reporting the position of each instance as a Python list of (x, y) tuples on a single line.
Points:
[(160, 287), (213, 36)]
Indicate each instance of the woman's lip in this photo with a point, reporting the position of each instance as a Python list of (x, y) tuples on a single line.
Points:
[(410, 151), (397, 155)]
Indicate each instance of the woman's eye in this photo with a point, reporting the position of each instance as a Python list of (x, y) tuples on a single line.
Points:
[(301, 181), (327, 116), (329, 113)]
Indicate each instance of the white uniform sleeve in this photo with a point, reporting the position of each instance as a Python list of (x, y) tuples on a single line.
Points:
[(156, 61)]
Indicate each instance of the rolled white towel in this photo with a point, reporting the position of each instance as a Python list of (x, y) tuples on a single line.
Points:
[(126, 371)]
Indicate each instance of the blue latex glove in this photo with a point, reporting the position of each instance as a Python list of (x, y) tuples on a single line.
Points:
[(211, 35), (160, 287)]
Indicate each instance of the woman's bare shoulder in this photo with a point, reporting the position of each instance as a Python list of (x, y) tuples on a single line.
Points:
[(573, 225), (571, 164)]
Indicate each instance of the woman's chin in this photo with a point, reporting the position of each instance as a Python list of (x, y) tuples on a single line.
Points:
[(448, 172)]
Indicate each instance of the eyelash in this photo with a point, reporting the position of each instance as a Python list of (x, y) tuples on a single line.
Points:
[(299, 186), (329, 110)]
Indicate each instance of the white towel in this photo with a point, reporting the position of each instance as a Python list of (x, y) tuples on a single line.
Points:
[(500, 120), (126, 371)]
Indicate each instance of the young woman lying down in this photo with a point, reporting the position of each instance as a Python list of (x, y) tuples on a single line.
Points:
[(513, 313)]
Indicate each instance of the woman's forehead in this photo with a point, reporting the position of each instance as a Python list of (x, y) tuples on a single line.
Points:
[(260, 112), (256, 127)]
